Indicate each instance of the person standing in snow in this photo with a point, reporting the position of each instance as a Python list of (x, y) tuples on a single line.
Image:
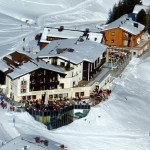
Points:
[(14, 121)]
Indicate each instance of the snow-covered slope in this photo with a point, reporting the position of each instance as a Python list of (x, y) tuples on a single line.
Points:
[(33, 9), (25, 18), (122, 122)]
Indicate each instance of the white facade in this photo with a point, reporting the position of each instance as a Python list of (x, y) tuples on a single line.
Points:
[(14, 87), (73, 75)]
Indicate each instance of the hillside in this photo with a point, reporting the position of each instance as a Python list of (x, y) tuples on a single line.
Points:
[(122, 122), (25, 18)]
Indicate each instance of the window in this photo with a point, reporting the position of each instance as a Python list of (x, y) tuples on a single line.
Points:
[(112, 41), (55, 95), (95, 39), (65, 94), (95, 64), (98, 60), (60, 95), (23, 88), (125, 34), (23, 98), (77, 94), (62, 64), (49, 38), (82, 93), (33, 96), (41, 81), (23, 82), (74, 83), (107, 79), (32, 89), (134, 53), (50, 96), (28, 97), (33, 73), (112, 33), (62, 85), (33, 81), (54, 78)]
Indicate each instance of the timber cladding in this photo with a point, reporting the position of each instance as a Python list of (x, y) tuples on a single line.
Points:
[(121, 38)]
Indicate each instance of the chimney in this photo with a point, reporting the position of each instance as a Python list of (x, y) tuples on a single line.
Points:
[(37, 59), (61, 28), (86, 32)]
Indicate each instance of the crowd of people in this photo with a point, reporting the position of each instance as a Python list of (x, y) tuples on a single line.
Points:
[(54, 104), (61, 103), (99, 95), (3, 104)]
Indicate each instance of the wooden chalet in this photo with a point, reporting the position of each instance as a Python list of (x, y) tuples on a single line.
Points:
[(123, 33)]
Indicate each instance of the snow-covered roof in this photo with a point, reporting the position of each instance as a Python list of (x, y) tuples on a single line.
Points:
[(31, 55), (138, 8), (24, 69), (97, 37), (27, 67), (3, 66), (31, 66), (73, 50), (126, 24), (20, 142), (3, 53), (48, 66), (51, 32)]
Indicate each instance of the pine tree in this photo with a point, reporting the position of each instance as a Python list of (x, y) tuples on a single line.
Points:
[(148, 21), (131, 4), (141, 17), (123, 7), (111, 14)]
